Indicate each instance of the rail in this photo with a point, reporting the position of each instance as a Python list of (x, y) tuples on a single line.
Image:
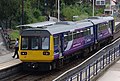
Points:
[(8, 41), (94, 65)]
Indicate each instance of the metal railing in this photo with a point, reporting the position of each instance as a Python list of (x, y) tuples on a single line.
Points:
[(117, 27), (93, 66)]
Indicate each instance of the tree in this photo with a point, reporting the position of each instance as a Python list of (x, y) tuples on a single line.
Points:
[(8, 10)]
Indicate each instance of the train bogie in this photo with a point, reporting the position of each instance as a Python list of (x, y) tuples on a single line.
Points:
[(37, 66)]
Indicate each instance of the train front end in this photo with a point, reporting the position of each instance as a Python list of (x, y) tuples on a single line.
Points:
[(36, 49)]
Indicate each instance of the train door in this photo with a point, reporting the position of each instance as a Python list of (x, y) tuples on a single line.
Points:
[(60, 45), (111, 23)]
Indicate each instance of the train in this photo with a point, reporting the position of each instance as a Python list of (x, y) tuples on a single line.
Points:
[(48, 45)]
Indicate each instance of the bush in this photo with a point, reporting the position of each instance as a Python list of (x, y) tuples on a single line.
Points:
[(71, 11), (75, 10), (14, 34), (36, 13), (41, 18)]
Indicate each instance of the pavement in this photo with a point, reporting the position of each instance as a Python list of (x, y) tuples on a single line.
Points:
[(112, 74), (6, 59)]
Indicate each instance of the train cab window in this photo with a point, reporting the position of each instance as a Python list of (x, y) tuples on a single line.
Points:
[(45, 42), (24, 43), (34, 43)]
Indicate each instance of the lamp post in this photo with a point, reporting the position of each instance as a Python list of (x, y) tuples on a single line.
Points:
[(58, 10), (93, 7), (22, 12)]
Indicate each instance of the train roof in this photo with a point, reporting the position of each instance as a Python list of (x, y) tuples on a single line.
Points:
[(97, 19), (100, 17), (59, 28), (64, 26), (107, 18), (39, 24)]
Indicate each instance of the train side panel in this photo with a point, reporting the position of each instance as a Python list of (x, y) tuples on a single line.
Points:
[(77, 41)]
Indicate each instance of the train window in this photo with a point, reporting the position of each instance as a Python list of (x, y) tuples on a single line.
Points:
[(66, 37), (110, 24), (56, 41), (45, 42), (24, 43), (34, 43), (77, 34), (74, 35), (70, 36), (86, 32), (107, 25), (81, 33), (103, 27)]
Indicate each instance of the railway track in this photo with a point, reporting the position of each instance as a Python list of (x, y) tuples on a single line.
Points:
[(41, 76)]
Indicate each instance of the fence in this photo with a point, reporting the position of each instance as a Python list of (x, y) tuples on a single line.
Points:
[(93, 66), (9, 43), (117, 27)]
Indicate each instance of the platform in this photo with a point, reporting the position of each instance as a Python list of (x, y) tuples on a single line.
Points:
[(112, 74), (7, 61)]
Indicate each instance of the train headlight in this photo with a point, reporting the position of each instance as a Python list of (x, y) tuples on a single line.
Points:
[(46, 53), (23, 53)]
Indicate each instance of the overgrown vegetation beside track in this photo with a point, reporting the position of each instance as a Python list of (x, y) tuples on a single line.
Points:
[(14, 34)]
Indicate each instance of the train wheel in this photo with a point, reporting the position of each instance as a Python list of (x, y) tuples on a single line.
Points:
[(60, 62), (50, 67), (91, 48), (54, 65), (98, 46), (86, 52)]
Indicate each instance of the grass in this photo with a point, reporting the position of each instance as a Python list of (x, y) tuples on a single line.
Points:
[(14, 34)]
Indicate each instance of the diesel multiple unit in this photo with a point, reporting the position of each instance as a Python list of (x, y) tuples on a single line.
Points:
[(47, 45)]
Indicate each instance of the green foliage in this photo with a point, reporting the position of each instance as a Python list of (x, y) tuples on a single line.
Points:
[(14, 34), (41, 18), (8, 8), (36, 10), (8, 11), (76, 10), (31, 13), (99, 12), (36, 13)]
